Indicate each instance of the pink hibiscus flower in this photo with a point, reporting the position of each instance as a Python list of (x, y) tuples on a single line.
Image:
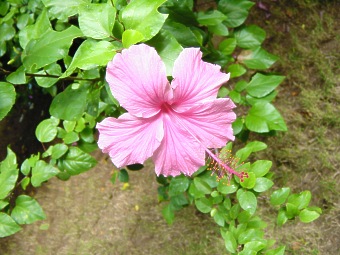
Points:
[(175, 123)]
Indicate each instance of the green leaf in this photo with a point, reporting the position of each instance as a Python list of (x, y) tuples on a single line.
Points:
[(42, 172), (281, 217), (219, 218), (307, 216), (279, 196), (254, 246), (201, 185), (237, 126), (168, 214), (8, 174), (178, 185), (27, 210), (71, 137), (227, 46), (7, 225), (51, 69), (278, 251), (227, 188), (235, 10), (263, 117), (76, 161), (131, 37), (236, 70), (263, 184), (123, 175), (182, 33), (251, 147), (261, 167), (69, 104), (203, 204), (210, 18), (25, 182), (167, 47), (250, 235), (219, 29), (91, 54), (18, 77), (249, 182), (229, 241), (249, 36), (7, 30), (247, 200), (30, 32), (7, 98), (63, 9), (3, 204), (49, 48), (261, 85), (257, 58), (46, 131), (291, 210), (97, 20), (143, 16), (300, 200)]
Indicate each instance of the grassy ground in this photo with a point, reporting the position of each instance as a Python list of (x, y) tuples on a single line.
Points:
[(87, 215)]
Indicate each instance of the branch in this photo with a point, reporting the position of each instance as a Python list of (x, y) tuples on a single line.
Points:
[(72, 78)]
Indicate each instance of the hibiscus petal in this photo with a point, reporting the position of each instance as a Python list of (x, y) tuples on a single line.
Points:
[(210, 122), (179, 152), (194, 79), (137, 78), (128, 139)]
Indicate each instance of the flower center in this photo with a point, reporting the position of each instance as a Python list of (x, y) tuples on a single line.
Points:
[(218, 166)]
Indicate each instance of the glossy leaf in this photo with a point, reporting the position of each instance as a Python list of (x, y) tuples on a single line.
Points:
[(278, 197), (300, 200), (261, 167), (251, 147), (131, 37), (235, 10), (263, 117), (8, 174), (178, 185), (143, 16), (249, 182), (42, 172), (17, 77), (257, 58), (229, 241), (236, 70), (91, 54), (69, 104), (210, 18), (168, 48), (46, 131), (247, 200), (52, 69), (227, 46), (7, 98), (49, 48), (263, 184), (97, 20), (63, 9), (7, 225), (202, 185), (168, 214), (203, 204), (76, 161), (250, 36), (27, 210), (307, 216), (261, 85)]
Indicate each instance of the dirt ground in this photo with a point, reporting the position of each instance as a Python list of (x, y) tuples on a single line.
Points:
[(89, 215)]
